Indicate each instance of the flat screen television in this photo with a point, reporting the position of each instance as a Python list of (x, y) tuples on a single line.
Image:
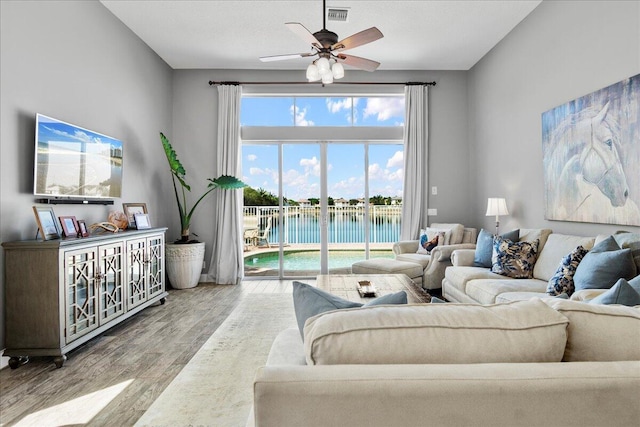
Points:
[(75, 163)]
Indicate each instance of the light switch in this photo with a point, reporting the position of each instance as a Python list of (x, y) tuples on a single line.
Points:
[(434, 190), (432, 212)]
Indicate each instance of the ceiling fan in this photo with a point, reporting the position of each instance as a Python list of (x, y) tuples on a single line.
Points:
[(326, 46)]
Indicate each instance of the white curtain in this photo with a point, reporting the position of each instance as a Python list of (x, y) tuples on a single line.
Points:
[(416, 156), (226, 266)]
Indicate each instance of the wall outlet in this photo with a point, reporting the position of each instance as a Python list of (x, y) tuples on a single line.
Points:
[(432, 212), (434, 190)]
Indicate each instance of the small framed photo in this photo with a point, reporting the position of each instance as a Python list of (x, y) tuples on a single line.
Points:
[(83, 231), (69, 226), (131, 209), (47, 224), (142, 221)]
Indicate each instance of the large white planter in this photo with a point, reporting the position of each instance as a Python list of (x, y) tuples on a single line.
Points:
[(184, 264)]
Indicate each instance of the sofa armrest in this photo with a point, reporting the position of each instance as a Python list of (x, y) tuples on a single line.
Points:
[(406, 246), (440, 260), (463, 257), (587, 294)]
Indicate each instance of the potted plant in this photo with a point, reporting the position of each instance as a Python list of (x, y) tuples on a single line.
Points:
[(184, 257)]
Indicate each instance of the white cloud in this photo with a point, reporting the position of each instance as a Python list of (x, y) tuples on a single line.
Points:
[(252, 157), (256, 171), (300, 114), (384, 108), (335, 105), (376, 172), (396, 160), (312, 166)]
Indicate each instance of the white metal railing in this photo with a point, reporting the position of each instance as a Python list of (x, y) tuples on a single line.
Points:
[(346, 224)]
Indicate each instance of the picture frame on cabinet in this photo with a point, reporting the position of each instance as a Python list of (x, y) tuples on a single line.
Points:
[(69, 226), (142, 221), (131, 209), (47, 224), (83, 231)]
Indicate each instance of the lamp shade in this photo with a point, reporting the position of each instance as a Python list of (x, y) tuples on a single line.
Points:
[(496, 206), (323, 65), (327, 78), (312, 73), (338, 70)]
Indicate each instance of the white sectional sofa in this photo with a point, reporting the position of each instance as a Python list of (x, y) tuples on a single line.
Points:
[(468, 284), (546, 362)]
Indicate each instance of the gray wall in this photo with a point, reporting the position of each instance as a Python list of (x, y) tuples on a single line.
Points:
[(195, 125), (73, 60), (561, 51)]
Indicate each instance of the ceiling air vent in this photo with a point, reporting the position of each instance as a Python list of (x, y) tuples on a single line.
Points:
[(338, 14)]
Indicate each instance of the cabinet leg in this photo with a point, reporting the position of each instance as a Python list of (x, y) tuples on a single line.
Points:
[(162, 301), (59, 360), (14, 362)]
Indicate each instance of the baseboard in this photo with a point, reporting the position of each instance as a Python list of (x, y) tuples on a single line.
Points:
[(4, 361)]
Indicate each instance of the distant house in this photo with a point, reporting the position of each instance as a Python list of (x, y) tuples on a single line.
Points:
[(396, 200), (341, 202), (304, 203)]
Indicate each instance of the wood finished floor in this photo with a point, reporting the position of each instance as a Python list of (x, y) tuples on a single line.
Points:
[(150, 349)]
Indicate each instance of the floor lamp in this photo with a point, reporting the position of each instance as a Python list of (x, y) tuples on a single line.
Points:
[(497, 206)]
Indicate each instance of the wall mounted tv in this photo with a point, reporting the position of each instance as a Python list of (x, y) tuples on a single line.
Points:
[(74, 164)]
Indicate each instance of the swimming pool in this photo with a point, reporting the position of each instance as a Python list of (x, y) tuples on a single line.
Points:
[(310, 260)]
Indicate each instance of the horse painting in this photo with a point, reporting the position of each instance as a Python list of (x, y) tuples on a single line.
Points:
[(586, 179)]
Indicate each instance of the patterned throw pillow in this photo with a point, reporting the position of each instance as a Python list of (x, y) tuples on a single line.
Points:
[(429, 239), (562, 280), (514, 259)]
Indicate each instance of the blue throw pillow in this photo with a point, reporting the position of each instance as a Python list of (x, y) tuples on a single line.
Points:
[(309, 301), (484, 246), (562, 280), (601, 270), (620, 293)]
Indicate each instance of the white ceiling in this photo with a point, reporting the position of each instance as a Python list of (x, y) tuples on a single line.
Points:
[(418, 34)]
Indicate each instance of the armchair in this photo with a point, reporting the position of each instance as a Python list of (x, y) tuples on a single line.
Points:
[(439, 259)]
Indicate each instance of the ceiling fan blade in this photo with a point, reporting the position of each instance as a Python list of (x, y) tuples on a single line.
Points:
[(282, 57), (358, 39), (356, 61), (304, 34)]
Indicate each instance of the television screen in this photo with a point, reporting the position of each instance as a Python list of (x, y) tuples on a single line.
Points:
[(73, 162)]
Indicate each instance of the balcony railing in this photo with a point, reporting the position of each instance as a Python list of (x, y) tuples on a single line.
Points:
[(346, 224)]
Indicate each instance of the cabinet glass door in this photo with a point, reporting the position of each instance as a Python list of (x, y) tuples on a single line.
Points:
[(137, 291), (155, 270), (82, 299), (111, 261)]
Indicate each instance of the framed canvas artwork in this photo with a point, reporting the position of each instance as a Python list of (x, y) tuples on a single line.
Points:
[(591, 156)]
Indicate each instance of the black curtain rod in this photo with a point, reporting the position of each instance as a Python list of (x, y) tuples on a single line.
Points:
[(211, 83)]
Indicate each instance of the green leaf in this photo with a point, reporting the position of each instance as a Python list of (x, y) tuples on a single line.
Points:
[(175, 165), (226, 182)]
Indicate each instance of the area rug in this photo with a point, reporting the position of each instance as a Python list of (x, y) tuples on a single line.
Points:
[(216, 387)]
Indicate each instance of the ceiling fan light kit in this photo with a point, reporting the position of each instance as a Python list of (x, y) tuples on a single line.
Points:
[(325, 43)]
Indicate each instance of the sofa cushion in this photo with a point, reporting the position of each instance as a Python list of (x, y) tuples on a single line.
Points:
[(599, 332), (487, 291), (484, 246), (458, 277), (556, 248), (601, 270), (630, 241), (524, 296), (524, 331), (562, 280), (514, 259), (622, 292), (454, 234), (429, 239), (415, 258), (309, 301), (531, 234)]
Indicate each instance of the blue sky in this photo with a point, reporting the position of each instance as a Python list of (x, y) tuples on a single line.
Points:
[(301, 162)]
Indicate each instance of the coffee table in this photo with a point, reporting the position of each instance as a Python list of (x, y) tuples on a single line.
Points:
[(345, 286)]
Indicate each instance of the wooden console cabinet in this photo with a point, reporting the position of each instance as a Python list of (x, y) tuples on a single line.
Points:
[(61, 293)]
